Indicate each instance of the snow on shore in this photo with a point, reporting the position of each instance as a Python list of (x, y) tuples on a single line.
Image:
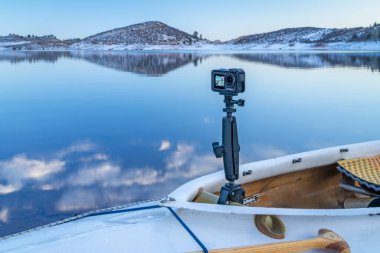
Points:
[(349, 46), (339, 46)]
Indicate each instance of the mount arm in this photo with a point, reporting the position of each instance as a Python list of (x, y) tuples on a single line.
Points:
[(229, 150)]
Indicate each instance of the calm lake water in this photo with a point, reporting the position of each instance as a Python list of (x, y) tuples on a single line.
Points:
[(86, 130)]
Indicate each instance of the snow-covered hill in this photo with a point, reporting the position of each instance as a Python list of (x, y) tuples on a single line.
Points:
[(147, 35), (311, 38), (154, 35), (17, 42), (290, 35)]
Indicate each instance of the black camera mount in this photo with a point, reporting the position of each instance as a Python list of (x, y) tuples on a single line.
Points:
[(229, 150)]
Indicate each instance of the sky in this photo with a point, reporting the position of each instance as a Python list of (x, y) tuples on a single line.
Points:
[(213, 19)]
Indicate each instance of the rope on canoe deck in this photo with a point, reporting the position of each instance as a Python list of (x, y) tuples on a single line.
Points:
[(188, 230)]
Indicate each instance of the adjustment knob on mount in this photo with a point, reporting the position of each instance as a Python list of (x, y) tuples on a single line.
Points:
[(241, 102), (218, 149)]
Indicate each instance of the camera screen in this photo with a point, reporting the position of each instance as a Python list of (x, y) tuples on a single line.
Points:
[(219, 81)]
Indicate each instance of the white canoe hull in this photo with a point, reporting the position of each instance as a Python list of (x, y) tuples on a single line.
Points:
[(157, 230)]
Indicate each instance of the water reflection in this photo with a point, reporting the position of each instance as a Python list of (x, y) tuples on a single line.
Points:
[(160, 63), (155, 64), (316, 60), (82, 177), (73, 138), (32, 56), (150, 64)]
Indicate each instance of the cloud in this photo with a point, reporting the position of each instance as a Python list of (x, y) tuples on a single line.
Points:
[(207, 120), (79, 147), (115, 184), (165, 145), (108, 174), (4, 215), (95, 157), (20, 169), (92, 180), (20, 165), (185, 162), (6, 189), (100, 174), (104, 185), (140, 176), (180, 156), (261, 152), (77, 199), (98, 170), (202, 165), (49, 187)]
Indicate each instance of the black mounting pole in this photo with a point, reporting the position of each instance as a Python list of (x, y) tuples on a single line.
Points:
[(229, 150)]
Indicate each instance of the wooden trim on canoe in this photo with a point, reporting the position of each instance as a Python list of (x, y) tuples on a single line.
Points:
[(311, 188), (315, 188)]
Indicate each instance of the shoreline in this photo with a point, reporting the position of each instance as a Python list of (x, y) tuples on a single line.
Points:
[(203, 51), (373, 46)]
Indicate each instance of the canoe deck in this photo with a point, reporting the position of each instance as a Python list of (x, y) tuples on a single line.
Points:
[(157, 230)]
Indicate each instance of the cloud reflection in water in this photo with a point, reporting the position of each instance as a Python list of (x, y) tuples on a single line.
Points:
[(4, 215), (18, 171), (82, 177)]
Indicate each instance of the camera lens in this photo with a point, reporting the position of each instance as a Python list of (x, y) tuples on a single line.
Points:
[(230, 80)]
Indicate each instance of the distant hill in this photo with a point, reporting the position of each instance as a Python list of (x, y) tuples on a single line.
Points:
[(150, 33), (17, 42), (138, 36), (155, 35), (309, 36)]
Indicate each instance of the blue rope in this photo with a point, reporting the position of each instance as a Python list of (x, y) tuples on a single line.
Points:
[(188, 230), (153, 207), (125, 210)]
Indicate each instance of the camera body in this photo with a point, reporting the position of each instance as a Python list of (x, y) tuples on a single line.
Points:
[(228, 82)]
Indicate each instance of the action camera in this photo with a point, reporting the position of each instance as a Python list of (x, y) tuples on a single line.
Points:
[(228, 82)]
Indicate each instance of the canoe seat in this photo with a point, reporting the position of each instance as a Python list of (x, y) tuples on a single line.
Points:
[(366, 171)]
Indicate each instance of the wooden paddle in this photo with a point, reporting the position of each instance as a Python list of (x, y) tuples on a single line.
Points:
[(326, 239)]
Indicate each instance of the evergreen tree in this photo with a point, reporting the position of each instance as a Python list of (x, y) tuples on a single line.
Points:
[(376, 34), (195, 34)]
